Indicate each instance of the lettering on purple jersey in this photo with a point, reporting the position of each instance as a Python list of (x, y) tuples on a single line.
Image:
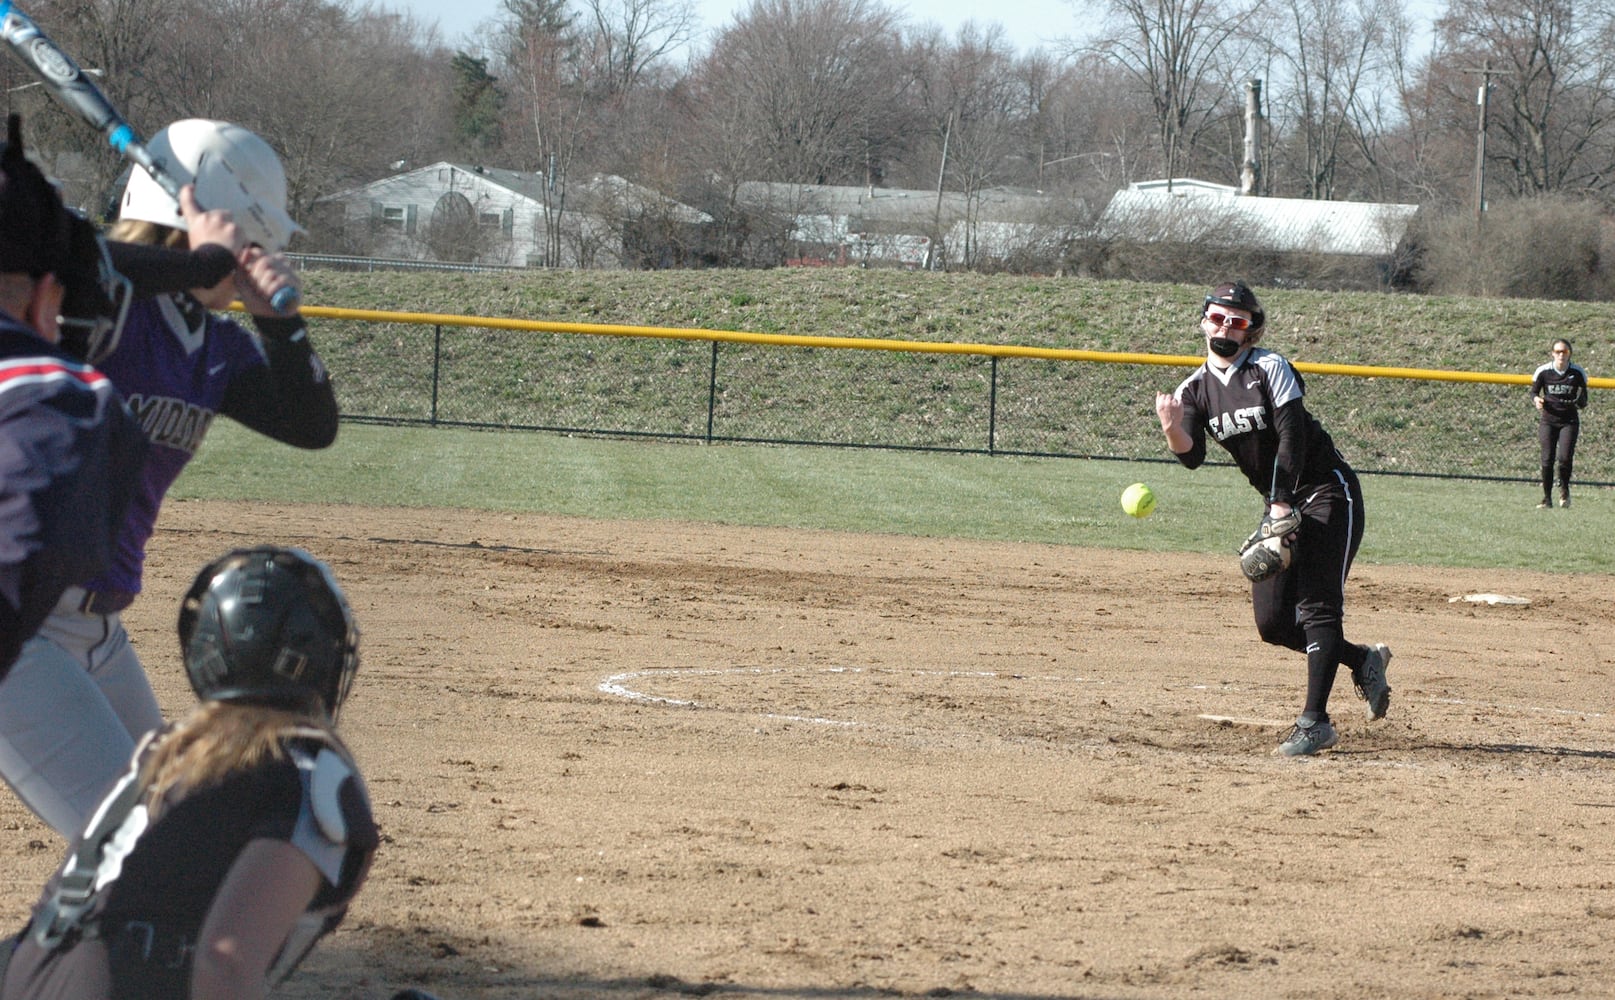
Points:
[(172, 422)]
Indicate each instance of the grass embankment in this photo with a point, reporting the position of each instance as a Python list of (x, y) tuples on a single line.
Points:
[(1463, 523)]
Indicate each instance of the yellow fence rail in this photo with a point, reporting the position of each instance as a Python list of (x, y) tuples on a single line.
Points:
[(728, 385)]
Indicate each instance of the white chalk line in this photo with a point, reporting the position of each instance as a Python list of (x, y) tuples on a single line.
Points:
[(617, 685), (1238, 720)]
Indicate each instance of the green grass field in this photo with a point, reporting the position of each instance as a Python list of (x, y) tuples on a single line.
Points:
[(507, 378), (1060, 501)]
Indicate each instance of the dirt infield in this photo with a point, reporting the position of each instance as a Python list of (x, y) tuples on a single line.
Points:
[(643, 760)]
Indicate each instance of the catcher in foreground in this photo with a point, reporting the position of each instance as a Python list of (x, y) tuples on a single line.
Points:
[(239, 834), (1250, 400)]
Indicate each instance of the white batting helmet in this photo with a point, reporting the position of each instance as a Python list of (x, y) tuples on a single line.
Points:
[(232, 169)]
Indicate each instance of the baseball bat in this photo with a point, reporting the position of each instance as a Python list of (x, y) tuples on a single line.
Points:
[(63, 79)]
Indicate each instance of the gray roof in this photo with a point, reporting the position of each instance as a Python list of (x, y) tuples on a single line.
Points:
[(1192, 211), (901, 206), (596, 194)]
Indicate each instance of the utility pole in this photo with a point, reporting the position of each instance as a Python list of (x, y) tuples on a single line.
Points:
[(941, 172), (1484, 99)]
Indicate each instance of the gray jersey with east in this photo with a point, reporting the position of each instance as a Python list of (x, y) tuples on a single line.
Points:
[(1254, 409)]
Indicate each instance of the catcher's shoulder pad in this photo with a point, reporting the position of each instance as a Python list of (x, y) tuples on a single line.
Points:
[(334, 792), (328, 798)]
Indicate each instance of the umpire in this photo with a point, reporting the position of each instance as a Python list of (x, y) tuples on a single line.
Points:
[(69, 450), (1250, 400)]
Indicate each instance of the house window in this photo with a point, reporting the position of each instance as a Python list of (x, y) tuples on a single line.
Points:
[(488, 220), (392, 218)]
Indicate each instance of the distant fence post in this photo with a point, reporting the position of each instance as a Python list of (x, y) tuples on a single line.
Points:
[(992, 408), (437, 366), (712, 390)]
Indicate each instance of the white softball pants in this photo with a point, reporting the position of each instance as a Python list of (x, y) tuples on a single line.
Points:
[(71, 710)]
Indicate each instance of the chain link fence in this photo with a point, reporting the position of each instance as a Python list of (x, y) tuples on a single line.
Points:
[(954, 398)]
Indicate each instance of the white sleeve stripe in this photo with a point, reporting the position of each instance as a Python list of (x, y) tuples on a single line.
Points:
[(1281, 381)]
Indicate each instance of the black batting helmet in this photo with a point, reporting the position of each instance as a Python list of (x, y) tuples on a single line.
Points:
[(1237, 295), (269, 625)]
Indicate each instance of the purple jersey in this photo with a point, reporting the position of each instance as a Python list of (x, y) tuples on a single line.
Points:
[(178, 367)]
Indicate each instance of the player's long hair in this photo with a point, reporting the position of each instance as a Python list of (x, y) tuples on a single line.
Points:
[(150, 233), (220, 738)]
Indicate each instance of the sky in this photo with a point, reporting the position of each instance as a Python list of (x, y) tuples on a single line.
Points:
[(1028, 23)]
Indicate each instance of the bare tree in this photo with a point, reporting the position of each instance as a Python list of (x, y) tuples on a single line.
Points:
[(331, 91), (973, 101), (547, 92), (338, 94), (1101, 130), (123, 42), (1332, 57), (1178, 51), (810, 83), (1552, 63), (625, 38), (1392, 139)]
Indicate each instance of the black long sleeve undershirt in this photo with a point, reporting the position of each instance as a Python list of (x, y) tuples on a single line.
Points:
[(157, 270), (290, 399)]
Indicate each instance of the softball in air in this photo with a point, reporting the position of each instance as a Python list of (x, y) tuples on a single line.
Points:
[(1138, 500)]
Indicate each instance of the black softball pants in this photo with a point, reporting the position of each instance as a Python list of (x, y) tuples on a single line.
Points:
[(1558, 442), (1312, 592)]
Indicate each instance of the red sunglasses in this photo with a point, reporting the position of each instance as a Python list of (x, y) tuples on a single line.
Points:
[(1228, 320)]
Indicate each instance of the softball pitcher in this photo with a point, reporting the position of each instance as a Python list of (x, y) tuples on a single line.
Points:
[(1250, 400)]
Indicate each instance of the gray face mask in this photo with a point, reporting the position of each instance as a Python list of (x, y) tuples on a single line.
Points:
[(1222, 347)]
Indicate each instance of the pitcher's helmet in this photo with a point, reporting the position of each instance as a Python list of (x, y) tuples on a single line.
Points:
[(232, 169), (269, 626), (1237, 295)]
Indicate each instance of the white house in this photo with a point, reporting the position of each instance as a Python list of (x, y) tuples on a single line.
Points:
[(453, 211)]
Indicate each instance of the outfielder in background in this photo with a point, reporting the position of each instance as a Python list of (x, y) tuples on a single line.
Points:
[(69, 451), (78, 698), (1559, 390), (1250, 400), (238, 836)]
